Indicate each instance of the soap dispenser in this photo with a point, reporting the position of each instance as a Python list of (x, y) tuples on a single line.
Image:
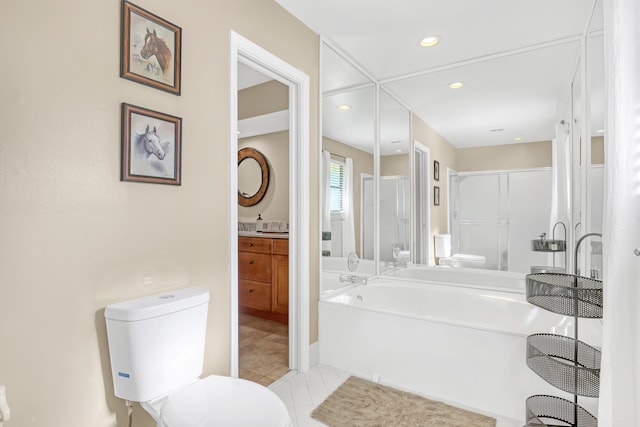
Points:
[(259, 224)]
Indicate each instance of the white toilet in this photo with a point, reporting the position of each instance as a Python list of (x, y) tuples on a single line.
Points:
[(463, 260), (156, 346), (443, 253)]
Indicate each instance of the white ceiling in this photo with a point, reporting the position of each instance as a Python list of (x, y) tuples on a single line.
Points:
[(516, 59)]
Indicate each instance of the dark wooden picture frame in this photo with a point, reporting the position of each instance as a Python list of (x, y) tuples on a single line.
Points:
[(436, 170), (151, 49), (151, 146), (436, 196)]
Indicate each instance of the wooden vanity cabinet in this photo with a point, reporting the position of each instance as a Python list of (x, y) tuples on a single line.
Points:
[(263, 270), (280, 274)]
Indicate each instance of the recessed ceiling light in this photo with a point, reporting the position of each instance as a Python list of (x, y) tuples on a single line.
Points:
[(517, 138), (600, 130), (429, 41), (456, 85), (344, 107), (398, 151)]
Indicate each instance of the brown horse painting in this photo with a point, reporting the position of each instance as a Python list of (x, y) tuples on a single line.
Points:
[(155, 46)]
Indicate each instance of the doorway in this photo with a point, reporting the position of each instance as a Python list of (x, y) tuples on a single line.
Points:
[(263, 198), (422, 202), (253, 56)]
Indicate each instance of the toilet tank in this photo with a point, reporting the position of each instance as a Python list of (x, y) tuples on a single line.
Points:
[(156, 343)]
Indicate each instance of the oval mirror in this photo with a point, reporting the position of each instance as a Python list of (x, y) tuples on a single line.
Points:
[(253, 176)]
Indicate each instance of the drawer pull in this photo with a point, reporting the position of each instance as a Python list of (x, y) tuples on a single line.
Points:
[(251, 290), (250, 262), (250, 245)]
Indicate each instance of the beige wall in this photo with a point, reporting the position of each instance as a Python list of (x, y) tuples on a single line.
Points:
[(262, 99), (275, 204), (502, 157), (597, 150), (362, 164), (75, 238), (396, 165), (445, 154)]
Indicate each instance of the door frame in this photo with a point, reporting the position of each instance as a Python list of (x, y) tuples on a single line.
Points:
[(249, 53), (421, 234)]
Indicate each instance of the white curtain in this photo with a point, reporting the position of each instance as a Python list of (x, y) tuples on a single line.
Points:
[(619, 403), (349, 229), (326, 205)]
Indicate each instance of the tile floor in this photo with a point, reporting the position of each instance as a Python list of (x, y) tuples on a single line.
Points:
[(301, 393), (264, 349), (264, 357)]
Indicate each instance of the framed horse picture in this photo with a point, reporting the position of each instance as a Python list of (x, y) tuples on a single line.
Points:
[(151, 49), (151, 146)]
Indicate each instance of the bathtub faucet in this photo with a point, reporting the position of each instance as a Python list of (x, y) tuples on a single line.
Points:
[(352, 278)]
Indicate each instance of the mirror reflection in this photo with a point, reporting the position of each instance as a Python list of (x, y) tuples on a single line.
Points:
[(249, 177), (395, 184), (348, 137), (501, 133), (508, 143)]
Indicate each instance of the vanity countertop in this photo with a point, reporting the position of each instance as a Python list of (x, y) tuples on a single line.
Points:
[(263, 235)]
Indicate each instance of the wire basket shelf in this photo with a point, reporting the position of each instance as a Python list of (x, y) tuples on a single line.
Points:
[(566, 294), (552, 357), (544, 410)]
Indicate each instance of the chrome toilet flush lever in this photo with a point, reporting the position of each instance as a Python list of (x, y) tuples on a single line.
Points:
[(636, 251)]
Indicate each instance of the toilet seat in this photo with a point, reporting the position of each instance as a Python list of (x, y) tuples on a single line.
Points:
[(222, 401)]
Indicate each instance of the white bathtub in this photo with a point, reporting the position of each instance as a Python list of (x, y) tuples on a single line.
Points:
[(334, 267), (466, 346)]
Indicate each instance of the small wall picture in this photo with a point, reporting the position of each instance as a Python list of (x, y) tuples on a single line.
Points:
[(436, 170), (436, 196), (151, 49), (151, 146)]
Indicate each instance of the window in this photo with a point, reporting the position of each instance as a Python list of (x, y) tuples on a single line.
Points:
[(336, 186)]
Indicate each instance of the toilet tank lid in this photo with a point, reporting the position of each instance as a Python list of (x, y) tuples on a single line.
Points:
[(157, 305)]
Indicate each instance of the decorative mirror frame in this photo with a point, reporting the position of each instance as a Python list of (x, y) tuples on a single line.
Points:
[(252, 153)]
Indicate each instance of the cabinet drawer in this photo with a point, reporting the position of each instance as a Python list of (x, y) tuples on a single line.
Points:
[(281, 246), (254, 244), (254, 266), (254, 294)]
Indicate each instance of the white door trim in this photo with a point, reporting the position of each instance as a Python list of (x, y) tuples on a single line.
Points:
[(242, 49), (423, 240)]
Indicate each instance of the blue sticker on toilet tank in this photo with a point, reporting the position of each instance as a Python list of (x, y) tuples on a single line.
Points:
[(123, 374)]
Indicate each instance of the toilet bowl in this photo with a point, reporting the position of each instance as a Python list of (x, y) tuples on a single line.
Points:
[(156, 350), (463, 260), (219, 401), (443, 253)]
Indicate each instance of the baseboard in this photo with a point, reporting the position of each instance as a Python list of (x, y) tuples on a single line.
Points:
[(314, 354)]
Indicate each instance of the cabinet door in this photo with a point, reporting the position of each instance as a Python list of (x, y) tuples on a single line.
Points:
[(281, 246), (280, 295), (254, 294)]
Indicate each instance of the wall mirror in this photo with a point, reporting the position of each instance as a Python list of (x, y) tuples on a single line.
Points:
[(348, 140), (496, 125), (253, 176), (495, 137), (590, 255)]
